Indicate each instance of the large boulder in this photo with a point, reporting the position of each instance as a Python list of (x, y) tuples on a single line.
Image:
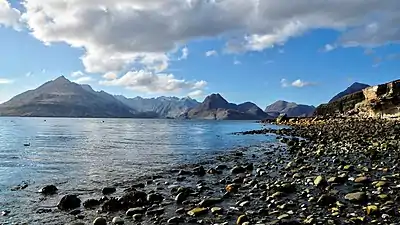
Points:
[(69, 202)]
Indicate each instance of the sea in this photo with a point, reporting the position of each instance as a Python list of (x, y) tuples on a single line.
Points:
[(87, 154)]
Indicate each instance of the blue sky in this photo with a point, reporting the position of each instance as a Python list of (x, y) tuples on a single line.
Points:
[(304, 53)]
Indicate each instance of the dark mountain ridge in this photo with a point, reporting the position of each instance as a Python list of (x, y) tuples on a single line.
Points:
[(63, 98), (215, 107), (291, 109)]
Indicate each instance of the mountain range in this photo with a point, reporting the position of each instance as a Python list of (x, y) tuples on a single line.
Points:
[(291, 109), (63, 98)]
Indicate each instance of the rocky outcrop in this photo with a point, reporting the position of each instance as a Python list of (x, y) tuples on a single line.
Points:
[(377, 101)]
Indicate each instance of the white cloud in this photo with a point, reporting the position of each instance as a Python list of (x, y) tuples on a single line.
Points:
[(237, 62), (211, 53), (83, 80), (150, 82), (196, 94), (329, 47), (138, 34), (28, 74), (185, 53), (297, 83), (269, 61), (9, 17), (110, 76), (284, 83), (6, 81), (77, 74)]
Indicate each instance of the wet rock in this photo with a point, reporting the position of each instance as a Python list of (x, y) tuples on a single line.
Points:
[(5, 213), (180, 198), (108, 190), (154, 198), (221, 167), (197, 211), (133, 211), (175, 220), (137, 217), (69, 202), (49, 190), (362, 180), (41, 211), (320, 181), (216, 210), (100, 221), (157, 211), (372, 209), (199, 171), (381, 184), (238, 169), (111, 205), (242, 219), (117, 221), (232, 188), (356, 197), (91, 203), (75, 212), (325, 200), (210, 202)]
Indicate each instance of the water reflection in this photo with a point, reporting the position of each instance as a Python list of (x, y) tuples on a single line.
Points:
[(82, 153)]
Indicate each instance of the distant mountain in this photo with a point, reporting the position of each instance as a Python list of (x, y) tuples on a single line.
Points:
[(291, 109), (165, 107), (215, 107), (356, 87), (63, 98)]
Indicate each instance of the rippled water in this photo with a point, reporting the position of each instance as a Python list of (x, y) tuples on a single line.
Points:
[(84, 154)]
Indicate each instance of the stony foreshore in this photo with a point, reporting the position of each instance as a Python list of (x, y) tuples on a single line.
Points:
[(326, 172)]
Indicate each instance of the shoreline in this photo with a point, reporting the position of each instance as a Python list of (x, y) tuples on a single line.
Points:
[(343, 171)]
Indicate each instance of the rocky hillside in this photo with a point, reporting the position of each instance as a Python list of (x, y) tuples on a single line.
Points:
[(356, 87), (215, 107), (291, 109), (380, 100), (63, 98), (164, 107)]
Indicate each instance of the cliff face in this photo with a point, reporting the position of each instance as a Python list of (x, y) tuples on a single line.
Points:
[(380, 100)]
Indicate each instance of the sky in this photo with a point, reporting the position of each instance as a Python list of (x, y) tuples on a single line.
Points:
[(248, 50)]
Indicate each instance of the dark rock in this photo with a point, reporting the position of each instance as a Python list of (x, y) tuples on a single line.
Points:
[(200, 171), (157, 211), (112, 205), (75, 212), (100, 221), (91, 203), (210, 202), (49, 190), (154, 198), (108, 190), (69, 202), (238, 169), (133, 211)]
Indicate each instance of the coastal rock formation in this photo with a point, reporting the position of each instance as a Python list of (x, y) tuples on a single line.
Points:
[(291, 109), (355, 87), (63, 98), (215, 107), (381, 100)]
